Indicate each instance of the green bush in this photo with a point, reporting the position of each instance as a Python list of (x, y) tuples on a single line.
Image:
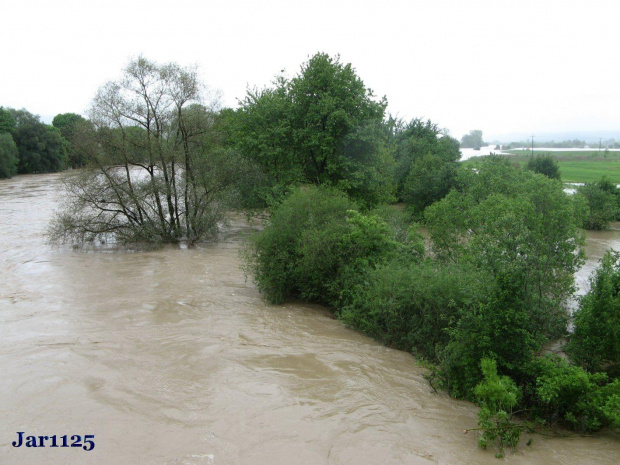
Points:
[(430, 179), (544, 164), (409, 306), (499, 327), (314, 247), (497, 396), (404, 231), (519, 227), (582, 400), (602, 206), (595, 342), (611, 188)]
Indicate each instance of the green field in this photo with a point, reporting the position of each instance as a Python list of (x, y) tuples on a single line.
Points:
[(574, 166)]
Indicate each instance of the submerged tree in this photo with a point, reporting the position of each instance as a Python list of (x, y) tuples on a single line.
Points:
[(155, 170), (595, 342), (473, 139)]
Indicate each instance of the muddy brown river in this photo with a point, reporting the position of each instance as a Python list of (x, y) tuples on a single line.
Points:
[(171, 357)]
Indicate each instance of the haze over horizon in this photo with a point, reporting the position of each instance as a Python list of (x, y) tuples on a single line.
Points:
[(526, 67)]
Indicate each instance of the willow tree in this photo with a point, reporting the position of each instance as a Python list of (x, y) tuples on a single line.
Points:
[(155, 171)]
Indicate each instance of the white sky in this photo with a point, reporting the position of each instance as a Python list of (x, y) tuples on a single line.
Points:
[(500, 66)]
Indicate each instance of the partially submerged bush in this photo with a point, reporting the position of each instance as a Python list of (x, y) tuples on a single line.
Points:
[(410, 305), (315, 245), (595, 342), (584, 401), (602, 206), (497, 396)]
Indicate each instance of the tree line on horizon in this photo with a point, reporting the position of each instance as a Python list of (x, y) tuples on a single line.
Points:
[(29, 146)]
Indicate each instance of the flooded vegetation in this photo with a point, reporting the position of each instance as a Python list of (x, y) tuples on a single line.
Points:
[(170, 356), (134, 339)]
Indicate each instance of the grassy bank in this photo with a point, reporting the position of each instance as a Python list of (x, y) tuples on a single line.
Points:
[(583, 166)]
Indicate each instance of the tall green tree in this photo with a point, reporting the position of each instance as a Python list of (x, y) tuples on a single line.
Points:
[(322, 127), (41, 147), (260, 129), (329, 102), (8, 156), (67, 124), (7, 120), (8, 150), (426, 163), (602, 205)]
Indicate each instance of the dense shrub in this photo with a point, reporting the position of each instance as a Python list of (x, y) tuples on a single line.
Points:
[(611, 188), (501, 328), (409, 306), (602, 206), (404, 231), (595, 342), (315, 245), (582, 400), (426, 163), (519, 229), (544, 164), (497, 396), (430, 179), (518, 226)]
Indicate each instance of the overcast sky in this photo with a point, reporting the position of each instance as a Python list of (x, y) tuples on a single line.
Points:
[(497, 65)]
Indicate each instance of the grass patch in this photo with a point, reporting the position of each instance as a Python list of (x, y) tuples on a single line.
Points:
[(582, 166)]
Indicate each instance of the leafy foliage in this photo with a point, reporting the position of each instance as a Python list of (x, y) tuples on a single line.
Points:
[(67, 124), (605, 184), (7, 120), (544, 164), (314, 245), (425, 163), (519, 229), (322, 127), (595, 342), (518, 226), (602, 206), (8, 156), (431, 178), (41, 147), (408, 303), (585, 401), (497, 395)]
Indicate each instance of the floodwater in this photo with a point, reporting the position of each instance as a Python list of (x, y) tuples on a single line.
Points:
[(466, 153), (171, 357)]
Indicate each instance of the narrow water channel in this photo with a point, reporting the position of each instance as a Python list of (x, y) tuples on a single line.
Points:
[(171, 357)]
